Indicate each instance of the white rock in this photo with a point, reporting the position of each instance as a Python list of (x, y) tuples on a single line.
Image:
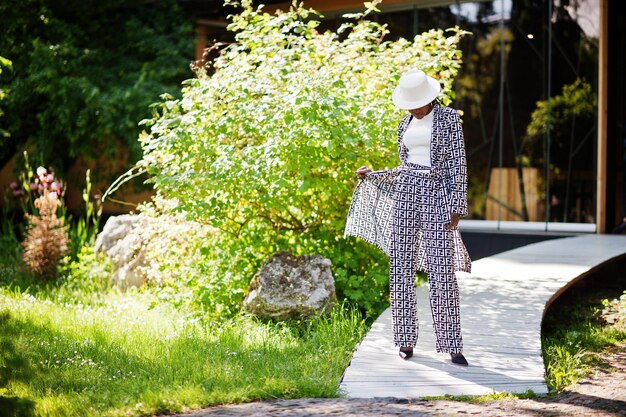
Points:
[(125, 249), (289, 287)]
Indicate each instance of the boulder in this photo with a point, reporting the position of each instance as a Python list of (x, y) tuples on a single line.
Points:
[(289, 287), (124, 248)]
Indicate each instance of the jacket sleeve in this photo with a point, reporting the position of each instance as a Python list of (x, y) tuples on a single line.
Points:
[(403, 151), (456, 166)]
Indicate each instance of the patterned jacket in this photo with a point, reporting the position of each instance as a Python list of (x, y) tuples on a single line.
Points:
[(447, 154), (370, 216)]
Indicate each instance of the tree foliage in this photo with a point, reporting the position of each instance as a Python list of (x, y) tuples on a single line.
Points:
[(265, 148), (575, 108), (85, 71), (576, 100), (6, 64)]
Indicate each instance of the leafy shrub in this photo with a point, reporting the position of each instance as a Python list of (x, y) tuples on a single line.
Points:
[(264, 150), (181, 269), (7, 64), (90, 273)]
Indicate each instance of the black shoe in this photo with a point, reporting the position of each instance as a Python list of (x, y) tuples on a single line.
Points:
[(406, 352), (458, 359)]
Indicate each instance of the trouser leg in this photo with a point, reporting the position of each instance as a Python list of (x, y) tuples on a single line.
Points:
[(444, 291), (402, 264)]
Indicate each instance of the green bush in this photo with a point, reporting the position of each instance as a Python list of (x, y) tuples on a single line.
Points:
[(264, 150), (89, 274), (7, 64), (84, 72)]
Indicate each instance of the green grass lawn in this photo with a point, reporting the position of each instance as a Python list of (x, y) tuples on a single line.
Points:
[(119, 357), (587, 318)]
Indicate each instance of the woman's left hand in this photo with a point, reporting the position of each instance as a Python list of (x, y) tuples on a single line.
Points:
[(454, 220)]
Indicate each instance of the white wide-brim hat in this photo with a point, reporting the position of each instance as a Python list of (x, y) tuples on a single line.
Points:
[(415, 89)]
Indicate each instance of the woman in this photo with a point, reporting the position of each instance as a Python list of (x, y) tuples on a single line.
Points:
[(411, 212)]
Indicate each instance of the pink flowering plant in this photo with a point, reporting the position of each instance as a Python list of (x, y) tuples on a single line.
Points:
[(32, 184), (45, 241)]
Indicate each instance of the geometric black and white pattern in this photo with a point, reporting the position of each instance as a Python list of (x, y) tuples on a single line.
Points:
[(417, 207), (404, 211)]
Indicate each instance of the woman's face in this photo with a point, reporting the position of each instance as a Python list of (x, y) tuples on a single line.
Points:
[(421, 111)]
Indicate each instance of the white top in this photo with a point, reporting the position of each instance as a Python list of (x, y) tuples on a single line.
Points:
[(417, 140)]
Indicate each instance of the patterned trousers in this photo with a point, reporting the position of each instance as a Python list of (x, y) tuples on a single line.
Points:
[(419, 208)]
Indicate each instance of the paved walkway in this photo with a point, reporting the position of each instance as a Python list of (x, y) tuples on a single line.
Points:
[(502, 305)]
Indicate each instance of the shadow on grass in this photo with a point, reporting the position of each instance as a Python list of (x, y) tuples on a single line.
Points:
[(583, 300), (13, 367)]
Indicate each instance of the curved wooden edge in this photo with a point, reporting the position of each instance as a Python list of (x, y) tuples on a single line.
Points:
[(584, 275)]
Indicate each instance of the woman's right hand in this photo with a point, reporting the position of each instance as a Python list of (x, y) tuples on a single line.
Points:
[(363, 171)]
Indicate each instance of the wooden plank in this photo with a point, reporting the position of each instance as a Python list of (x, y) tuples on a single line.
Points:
[(505, 198), (502, 305), (601, 157)]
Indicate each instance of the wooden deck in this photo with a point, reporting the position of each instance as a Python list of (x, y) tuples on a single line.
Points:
[(502, 305)]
